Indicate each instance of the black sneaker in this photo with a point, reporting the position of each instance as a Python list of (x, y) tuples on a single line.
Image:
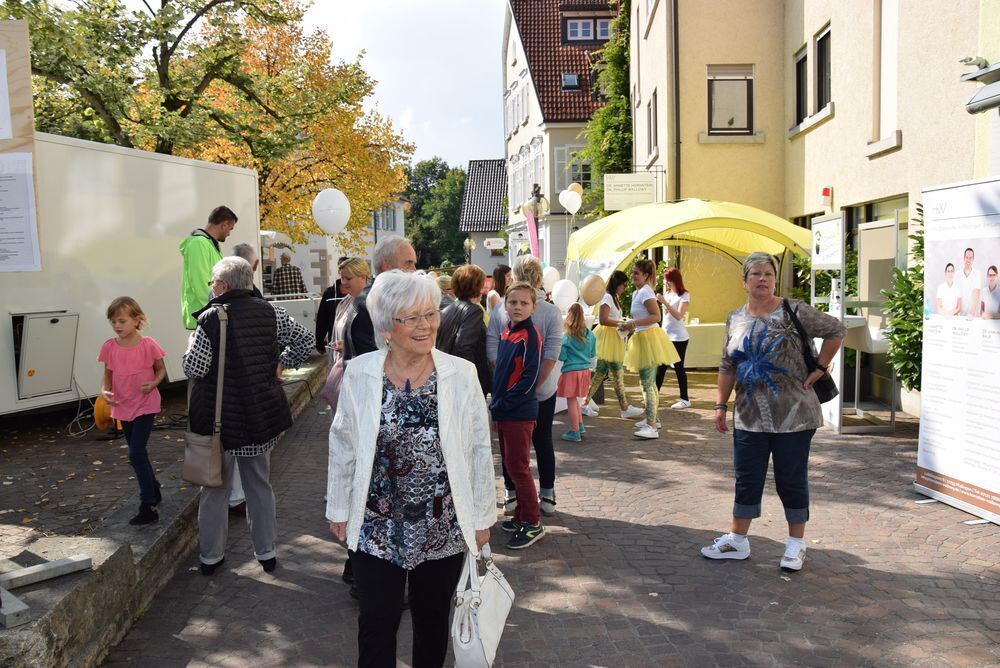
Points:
[(526, 535), (511, 526), (146, 515), (269, 564), (209, 569)]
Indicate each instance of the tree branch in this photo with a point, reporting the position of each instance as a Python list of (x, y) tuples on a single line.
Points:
[(190, 24), (95, 102)]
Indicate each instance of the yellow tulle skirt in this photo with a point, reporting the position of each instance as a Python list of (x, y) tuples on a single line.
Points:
[(610, 344), (649, 348)]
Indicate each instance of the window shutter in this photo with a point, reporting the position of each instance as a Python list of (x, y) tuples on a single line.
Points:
[(730, 71)]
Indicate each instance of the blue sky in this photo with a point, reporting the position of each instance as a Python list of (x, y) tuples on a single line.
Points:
[(438, 66)]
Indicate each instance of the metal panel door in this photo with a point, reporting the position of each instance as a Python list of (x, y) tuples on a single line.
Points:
[(48, 348)]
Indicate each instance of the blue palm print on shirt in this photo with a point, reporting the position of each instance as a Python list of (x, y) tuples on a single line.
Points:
[(755, 360)]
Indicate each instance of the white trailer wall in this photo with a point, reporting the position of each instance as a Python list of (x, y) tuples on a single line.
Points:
[(110, 221)]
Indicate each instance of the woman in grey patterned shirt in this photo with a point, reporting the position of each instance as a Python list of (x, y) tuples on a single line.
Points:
[(776, 411)]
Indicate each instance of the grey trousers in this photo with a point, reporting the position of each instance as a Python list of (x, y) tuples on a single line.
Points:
[(213, 509)]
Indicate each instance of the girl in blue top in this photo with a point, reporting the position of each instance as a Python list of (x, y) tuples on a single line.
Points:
[(579, 347)]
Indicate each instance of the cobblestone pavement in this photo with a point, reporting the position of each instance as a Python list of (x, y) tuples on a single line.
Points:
[(55, 484), (619, 580), (52, 483)]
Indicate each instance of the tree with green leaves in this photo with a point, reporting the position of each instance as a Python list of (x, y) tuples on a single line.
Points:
[(142, 78), (435, 209), (239, 82), (609, 132)]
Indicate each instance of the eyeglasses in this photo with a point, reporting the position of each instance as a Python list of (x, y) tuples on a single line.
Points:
[(410, 321)]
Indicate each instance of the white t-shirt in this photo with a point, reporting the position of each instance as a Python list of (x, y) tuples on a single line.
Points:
[(949, 295), (967, 284), (675, 328), (614, 312), (607, 300), (641, 295), (991, 301)]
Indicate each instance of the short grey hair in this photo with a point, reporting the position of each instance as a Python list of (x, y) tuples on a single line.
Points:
[(245, 251), (234, 272), (396, 291), (528, 268), (759, 258), (385, 251)]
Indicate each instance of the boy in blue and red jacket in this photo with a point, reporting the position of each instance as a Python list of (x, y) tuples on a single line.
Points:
[(515, 409)]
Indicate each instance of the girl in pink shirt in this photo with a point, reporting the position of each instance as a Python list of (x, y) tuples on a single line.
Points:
[(133, 367)]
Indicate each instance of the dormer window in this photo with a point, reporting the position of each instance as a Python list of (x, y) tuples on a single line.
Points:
[(603, 29), (580, 30), (570, 81)]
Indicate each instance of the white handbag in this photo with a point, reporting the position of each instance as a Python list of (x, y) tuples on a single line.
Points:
[(481, 608)]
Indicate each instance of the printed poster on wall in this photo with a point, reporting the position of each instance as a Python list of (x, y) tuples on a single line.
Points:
[(958, 460), (18, 224)]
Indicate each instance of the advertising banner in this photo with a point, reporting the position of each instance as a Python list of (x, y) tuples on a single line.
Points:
[(958, 460)]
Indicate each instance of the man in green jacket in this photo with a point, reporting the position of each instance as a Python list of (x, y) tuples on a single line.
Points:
[(201, 251)]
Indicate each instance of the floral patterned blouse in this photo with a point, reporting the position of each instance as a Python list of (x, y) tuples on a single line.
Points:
[(409, 516), (765, 354)]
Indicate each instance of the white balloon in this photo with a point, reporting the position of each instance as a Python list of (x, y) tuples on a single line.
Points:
[(549, 278), (564, 294), (331, 210), (570, 200)]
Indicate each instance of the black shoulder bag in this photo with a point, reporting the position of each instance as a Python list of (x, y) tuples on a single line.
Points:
[(825, 388)]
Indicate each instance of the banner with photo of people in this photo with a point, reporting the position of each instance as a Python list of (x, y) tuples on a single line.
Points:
[(958, 460)]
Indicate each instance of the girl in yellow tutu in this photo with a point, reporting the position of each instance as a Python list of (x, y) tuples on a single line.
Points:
[(611, 346), (649, 346)]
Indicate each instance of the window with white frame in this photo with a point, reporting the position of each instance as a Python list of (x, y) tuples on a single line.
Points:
[(580, 30), (515, 180), (603, 29), (570, 81), (524, 104), (652, 142), (568, 170), (537, 161), (730, 100)]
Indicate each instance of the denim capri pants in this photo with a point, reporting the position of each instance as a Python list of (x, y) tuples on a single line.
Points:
[(790, 452)]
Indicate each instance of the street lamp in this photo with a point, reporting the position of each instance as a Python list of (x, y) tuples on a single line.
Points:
[(469, 245)]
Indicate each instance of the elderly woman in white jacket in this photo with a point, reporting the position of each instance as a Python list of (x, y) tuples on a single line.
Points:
[(411, 482)]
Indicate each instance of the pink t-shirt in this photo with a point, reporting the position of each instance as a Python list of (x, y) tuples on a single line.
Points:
[(130, 368)]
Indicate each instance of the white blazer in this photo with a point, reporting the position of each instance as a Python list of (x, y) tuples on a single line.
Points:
[(463, 426)]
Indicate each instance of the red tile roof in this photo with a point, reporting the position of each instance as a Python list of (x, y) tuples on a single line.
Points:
[(540, 26)]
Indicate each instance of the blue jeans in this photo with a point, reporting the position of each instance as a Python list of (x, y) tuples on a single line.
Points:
[(790, 452), (136, 435)]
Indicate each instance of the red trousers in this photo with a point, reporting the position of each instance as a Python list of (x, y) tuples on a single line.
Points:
[(515, 448)]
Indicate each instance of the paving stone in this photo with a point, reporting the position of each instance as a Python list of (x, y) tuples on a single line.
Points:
[(886, 582)]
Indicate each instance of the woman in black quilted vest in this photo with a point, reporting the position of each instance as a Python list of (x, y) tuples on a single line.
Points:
[(261, 340)]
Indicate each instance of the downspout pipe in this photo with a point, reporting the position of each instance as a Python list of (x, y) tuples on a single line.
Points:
[(675, 35)]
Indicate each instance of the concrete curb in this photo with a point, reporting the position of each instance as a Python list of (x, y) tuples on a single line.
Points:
[(78, 618)]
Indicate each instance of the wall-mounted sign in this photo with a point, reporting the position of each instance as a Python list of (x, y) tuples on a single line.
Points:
[(828, 244), (494, 243), (519, 236), (623, 191)]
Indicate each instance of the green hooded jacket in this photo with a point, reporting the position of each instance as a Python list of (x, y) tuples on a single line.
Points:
[(200, 253)]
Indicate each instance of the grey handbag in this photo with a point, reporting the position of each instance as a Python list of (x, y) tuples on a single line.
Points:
[(203, 454)]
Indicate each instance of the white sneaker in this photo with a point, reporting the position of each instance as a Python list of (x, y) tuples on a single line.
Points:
[(647, 432), (681, 405), (631, 412), (547, 506), (509, 504), (727, 547), (641, 424), (795, 554), (588, 411)]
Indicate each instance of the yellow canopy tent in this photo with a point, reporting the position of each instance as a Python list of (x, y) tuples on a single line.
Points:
[(732, 230)]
